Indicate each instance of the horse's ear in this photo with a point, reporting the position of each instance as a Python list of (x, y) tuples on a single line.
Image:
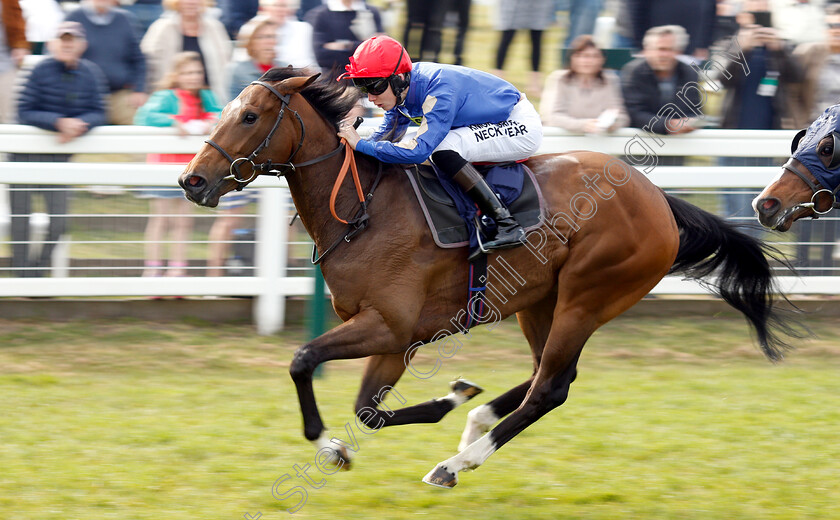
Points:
[(298, 83), (798, 137)]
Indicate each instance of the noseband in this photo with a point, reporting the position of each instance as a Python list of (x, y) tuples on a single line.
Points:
[(270, 167), (816, 190)]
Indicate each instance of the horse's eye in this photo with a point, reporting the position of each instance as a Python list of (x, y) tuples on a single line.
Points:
[(249, 118), (826, 150)]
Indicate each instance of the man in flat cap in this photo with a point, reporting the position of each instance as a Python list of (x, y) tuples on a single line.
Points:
[(66, 94)]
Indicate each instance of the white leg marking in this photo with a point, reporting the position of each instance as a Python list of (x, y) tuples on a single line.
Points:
[(335, 450), (471, 458), (479, 421), (456, 398), (323, 441)]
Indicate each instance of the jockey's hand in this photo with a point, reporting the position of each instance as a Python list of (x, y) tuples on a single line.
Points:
[(349, 133)]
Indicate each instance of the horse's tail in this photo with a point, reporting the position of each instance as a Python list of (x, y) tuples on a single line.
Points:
[(743, 278)]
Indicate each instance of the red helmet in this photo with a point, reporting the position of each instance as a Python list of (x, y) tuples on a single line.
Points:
[(378, 57)]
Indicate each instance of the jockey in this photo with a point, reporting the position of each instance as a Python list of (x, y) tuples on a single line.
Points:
[(465, 116)]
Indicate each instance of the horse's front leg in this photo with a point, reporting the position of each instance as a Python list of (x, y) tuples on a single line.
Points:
[(365, 334)]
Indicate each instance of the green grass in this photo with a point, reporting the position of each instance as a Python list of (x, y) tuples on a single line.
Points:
[(676, 418)]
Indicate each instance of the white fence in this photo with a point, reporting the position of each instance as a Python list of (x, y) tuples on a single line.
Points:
[(270, 282)]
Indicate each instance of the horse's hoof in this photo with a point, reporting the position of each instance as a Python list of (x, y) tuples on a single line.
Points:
[(340, 458), (466, 388), (344, 459), (441, 477)]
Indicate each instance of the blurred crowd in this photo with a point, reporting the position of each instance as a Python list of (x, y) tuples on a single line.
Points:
[(177, 62)]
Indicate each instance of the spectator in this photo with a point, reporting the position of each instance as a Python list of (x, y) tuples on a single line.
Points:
[(258, 39), (42, 19), (725, 23), (461, 8), (426, 18), (186, 26), (585, 97), (65, 94), (294, 38), (186, 103), (236, 12), (114, 45), (623, 36), (306, 6), (13, 48), (582, 17), (800, 21), (533, 15), (145, 13), (650, 82), (820, 89), (759, 100), (697, 17), (232, 207), (339, 27), (821, 70)]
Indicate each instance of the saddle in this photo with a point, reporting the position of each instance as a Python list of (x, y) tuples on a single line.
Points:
[(453, 218)]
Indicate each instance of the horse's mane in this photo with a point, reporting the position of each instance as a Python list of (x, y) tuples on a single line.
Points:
[(333, 99)]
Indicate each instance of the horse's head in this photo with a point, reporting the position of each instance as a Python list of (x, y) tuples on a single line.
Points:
[(259, 132), (808, 183)]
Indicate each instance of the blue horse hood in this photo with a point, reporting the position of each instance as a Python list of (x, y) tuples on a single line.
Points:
[(806, 152)]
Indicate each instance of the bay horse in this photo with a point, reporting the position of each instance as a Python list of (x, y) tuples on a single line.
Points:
[(608, 237), (808, 182)]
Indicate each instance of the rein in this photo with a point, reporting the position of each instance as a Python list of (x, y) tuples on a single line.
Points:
[(349, 163), (357, 224), (816, 190)]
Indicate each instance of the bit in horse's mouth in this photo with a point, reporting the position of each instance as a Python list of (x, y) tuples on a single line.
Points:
[(784, 220)]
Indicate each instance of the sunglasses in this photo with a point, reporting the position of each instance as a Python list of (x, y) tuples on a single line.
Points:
[(834, 26), (373, 86)]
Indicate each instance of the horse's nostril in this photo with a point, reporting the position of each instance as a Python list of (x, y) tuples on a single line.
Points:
[(768, 206), (194, 183)]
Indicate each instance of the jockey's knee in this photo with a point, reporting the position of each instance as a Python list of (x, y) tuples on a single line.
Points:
[(450, 162)]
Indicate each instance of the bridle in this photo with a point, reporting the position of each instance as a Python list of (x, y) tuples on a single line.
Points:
[(355, 225), (269, 166), (816, 190)]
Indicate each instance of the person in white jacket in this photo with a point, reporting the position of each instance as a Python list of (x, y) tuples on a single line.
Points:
[(186, 26), (294, 38)]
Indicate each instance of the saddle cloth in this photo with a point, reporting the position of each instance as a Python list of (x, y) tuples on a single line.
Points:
[(451, 215)]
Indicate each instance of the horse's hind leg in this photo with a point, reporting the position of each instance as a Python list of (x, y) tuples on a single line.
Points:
[(483, 417), (535, 323), (381, 374), (584, 303), (549, 389)]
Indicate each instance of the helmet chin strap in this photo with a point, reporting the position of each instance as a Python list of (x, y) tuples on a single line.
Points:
[(401, 97)]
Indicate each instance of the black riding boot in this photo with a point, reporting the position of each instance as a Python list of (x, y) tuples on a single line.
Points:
[(510, 233)]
